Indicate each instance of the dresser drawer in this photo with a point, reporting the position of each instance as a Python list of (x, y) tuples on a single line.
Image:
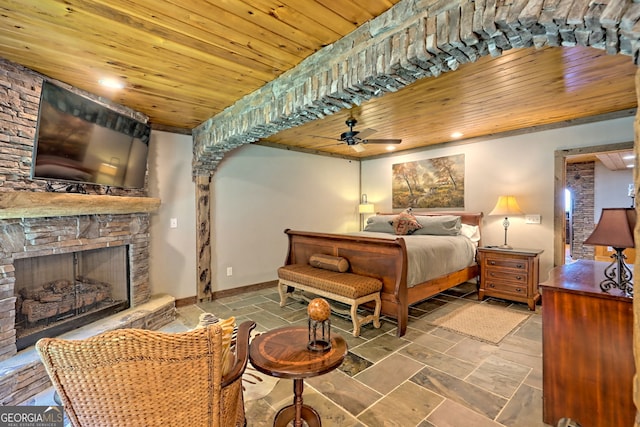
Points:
[(504, 262), (506, 287)]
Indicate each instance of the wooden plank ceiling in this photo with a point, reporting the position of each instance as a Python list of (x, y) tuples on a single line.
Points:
[(184, 61)]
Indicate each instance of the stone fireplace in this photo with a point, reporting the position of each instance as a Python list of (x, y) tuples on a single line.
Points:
[(69, 231)]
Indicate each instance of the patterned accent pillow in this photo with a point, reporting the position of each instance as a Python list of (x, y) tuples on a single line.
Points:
[(405, 223), (229, 332)]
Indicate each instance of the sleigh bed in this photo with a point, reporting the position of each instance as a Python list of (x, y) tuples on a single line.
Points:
[(393, 260)]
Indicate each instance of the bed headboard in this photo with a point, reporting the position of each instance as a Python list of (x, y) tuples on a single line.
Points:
[(471, 218)]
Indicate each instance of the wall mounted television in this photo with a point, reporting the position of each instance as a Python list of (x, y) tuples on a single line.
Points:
[(81, 141)]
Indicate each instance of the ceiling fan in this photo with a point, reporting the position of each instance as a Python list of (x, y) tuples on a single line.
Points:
[(353, 137)]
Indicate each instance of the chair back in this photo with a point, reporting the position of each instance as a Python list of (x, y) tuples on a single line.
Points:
[(134, 377)]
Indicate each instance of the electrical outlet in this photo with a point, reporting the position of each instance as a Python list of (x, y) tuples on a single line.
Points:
[(173, 223), (229, 271), (532, 219)]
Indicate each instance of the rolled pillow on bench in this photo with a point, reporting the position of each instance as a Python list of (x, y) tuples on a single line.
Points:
[(329, 262)]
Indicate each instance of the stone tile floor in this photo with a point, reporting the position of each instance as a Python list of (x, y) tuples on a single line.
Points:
[(431, 377)]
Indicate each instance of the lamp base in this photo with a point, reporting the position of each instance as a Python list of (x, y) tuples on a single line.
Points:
[(505, 247), (618, 274)]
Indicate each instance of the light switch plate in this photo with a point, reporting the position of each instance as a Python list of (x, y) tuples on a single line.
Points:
[(532, 219)]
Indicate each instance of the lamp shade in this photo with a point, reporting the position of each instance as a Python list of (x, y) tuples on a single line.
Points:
[(506, 206), (365, 208), (614, 229)]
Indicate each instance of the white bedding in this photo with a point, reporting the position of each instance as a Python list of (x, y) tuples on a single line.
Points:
[(430, 256)]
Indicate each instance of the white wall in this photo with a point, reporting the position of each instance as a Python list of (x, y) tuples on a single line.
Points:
[(611, 189), (172, 258), (519, 165), (258, 192)]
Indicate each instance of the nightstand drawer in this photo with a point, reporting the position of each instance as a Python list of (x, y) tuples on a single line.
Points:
[(503, 275), (504, 262), (510, 288)]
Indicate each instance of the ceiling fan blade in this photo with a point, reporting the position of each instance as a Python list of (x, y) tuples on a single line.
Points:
[(329, 145), (366, 132), (381, 141), (324, 137)]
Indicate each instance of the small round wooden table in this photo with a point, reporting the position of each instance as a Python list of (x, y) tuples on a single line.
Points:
[(283, 353)]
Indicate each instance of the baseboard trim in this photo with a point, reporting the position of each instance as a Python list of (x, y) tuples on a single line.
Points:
[(182, 302)]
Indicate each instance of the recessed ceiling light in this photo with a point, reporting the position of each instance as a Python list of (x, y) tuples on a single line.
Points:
[(629, 166), (456, 135), (111, 83), (391, 147), (629, 156)]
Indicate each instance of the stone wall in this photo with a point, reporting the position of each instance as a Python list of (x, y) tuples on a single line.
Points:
[(581, 183)]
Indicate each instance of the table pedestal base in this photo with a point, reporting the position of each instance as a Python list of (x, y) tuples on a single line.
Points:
[(297, 411)]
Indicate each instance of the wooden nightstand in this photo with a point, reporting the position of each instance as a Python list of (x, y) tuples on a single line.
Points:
[(510, 274)]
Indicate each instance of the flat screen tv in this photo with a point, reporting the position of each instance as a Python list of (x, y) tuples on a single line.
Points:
[(81, 141)]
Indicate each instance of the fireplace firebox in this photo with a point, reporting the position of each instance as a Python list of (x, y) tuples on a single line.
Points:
[(60, 292)]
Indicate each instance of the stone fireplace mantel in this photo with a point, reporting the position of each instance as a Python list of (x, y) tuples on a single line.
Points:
[(25, 204)]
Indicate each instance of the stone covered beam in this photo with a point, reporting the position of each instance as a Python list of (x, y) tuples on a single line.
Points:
[(414, 39)]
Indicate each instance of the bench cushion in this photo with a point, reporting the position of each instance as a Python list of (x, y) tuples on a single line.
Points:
[(345, 284)]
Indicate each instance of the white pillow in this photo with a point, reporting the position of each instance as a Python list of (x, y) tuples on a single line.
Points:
[(471, 231)]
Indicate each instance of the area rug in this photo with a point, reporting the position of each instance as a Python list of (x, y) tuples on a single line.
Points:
[(256, 385), (481, 321)]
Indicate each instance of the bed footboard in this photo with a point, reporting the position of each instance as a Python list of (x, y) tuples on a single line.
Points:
[(383, 259)]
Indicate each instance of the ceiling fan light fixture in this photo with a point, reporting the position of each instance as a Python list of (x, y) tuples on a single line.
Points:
[(357, 148)]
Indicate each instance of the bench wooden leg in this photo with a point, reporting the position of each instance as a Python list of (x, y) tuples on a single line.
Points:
[(282, 290), (376, 312), (355, 319)]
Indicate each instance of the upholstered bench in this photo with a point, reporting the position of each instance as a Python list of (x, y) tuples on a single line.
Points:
[(335, 284)]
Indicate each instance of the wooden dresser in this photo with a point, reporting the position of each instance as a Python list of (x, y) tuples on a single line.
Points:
[(510, 274), (587, 334)]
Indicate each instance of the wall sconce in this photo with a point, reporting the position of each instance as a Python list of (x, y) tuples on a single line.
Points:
[(615, 229), (506, 206), (364, 208)]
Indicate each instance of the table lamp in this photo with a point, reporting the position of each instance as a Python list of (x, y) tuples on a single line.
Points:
[(506, 206), (364, 208), (615, 229)]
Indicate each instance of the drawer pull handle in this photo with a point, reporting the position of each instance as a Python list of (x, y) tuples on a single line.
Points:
[(519, 266), (518, 290), (519, 277), (492, 262), (491, 285)]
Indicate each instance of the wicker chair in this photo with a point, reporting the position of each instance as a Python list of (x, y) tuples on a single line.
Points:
[(134, 377)]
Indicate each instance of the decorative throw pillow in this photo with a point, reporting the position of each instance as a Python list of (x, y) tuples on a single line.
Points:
[(405, 223), (228, 344), (471, 231), (439, 225), (228, 337), (329, 262), (380, 223)]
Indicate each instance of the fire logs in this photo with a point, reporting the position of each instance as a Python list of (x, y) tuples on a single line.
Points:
[(60, 297)]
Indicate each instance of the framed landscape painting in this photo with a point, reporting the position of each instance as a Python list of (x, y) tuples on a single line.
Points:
[(432, 183)]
